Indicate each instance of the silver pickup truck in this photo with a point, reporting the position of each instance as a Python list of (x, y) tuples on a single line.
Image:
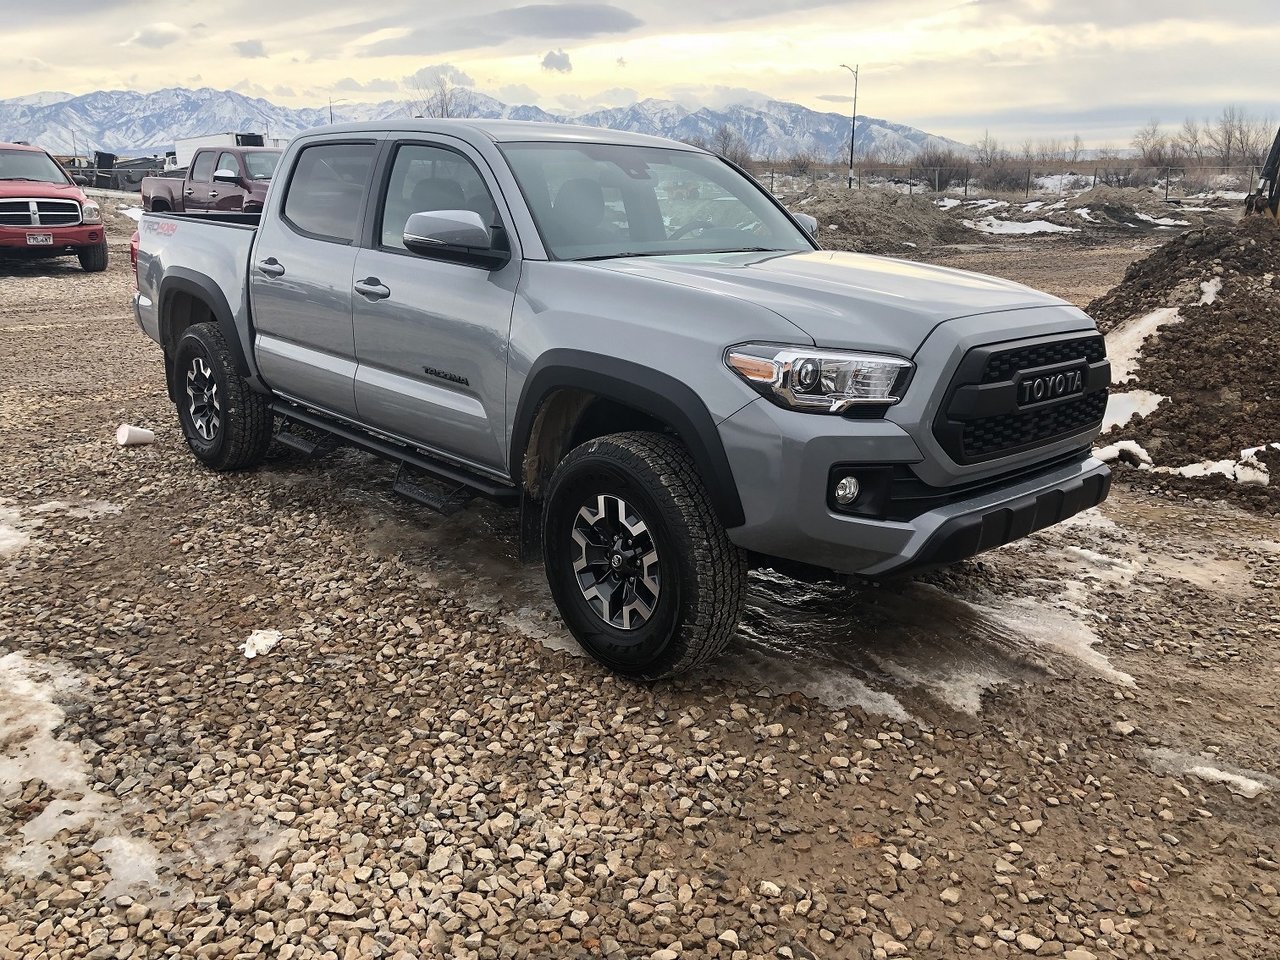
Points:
[(633, 343)]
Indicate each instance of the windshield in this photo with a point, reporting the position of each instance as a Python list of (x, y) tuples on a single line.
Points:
[(30, 165), (596, 201), (261, 164)]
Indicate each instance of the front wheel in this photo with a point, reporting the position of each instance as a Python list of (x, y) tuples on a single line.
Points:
[(639, 565), (227, 424), (94, 259)]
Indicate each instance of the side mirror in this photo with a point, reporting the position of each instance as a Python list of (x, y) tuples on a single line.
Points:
[(809, 223), (453, 235), (225, 176)]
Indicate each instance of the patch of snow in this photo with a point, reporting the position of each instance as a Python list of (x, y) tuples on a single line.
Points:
[(1033, 206), (996, 226), (1245, 470), (133, 213), (946, 203), (1112, 451), (261, 642), (907, 243), (82, 510), (1085, 214), (1123, 407), (1209, 291), (11, 538), (1163, 221), (1244, 783), (987, 204), (1124, 343)]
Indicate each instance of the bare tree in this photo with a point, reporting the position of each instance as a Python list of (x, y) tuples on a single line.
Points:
[(987, 152), (1077, 147), (1152, 144), (441, 97), (1223, 135), (1190, 141), (801, 163), (730, 144), (1049, 150), (1028, 150)]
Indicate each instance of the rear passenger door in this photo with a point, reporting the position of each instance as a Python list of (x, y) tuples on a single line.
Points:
[(300, 275), (431, 334)]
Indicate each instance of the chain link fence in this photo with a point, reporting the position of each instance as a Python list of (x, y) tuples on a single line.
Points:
[(1027, 180)]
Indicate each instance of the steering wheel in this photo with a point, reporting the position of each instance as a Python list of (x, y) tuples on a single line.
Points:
[(691, 225)]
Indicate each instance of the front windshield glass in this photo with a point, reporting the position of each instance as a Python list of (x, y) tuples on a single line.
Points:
[(30, 165), (596, 201), (261, 164)]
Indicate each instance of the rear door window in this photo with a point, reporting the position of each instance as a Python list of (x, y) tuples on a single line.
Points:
[(202, 169), (327, 189)]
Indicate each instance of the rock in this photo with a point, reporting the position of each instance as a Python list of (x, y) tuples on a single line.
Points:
[(769, 889), (1029, 942), (951, 896), (908, 861), (729, 938)]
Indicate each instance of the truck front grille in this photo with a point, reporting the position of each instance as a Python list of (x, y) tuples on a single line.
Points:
[(39, 213), (989, 411)]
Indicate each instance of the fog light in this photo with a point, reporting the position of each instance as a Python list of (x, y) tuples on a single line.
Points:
[(847, 491)]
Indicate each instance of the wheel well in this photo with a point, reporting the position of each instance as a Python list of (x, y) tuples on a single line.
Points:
[(569, 418), (179, 311), (159, 206)]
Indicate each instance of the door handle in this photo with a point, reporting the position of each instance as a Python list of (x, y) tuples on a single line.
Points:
[(212, 194), (271, 267), (372, 288), (190, 192)]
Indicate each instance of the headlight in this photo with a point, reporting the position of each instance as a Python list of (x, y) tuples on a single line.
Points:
[(90, 212), (817, 380)]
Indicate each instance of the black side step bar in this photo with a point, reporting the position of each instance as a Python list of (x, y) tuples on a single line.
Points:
[(454, 477)]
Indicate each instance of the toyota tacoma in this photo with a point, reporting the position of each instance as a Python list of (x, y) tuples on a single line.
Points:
[(637, 346)]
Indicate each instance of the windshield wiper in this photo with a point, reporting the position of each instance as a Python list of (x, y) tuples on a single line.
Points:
[(29, 179), (619, 256)]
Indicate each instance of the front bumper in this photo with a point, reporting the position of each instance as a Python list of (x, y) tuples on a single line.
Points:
[(784, 475), (65, 239)]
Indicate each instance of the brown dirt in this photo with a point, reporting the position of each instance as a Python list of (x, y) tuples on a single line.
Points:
[(880, 221), (1219, 367)]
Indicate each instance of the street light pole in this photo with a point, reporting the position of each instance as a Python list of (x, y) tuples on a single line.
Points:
[(853, 126)]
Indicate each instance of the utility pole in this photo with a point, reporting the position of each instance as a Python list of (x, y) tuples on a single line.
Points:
[(853, 126)]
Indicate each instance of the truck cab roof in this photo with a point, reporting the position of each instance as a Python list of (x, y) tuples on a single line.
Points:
[(504, 131)]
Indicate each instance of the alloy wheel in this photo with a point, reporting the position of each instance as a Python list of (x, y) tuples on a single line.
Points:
[(205, 405), (616, 562)]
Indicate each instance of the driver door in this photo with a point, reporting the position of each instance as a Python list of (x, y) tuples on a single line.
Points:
[(431, 335)]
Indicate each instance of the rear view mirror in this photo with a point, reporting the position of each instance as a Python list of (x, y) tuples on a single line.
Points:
[(453, 235), (225, 176)]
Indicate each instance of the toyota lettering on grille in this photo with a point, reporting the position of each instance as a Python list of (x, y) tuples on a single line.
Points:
[(1050, 386)]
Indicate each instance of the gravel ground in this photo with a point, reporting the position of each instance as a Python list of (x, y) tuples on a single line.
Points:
[(1065, 748)]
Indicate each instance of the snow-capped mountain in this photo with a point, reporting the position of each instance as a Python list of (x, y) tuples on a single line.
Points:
[(124, 121)]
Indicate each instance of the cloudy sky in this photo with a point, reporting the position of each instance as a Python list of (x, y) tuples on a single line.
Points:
[(1021, 68)]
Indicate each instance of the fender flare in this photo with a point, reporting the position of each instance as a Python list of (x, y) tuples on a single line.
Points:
[(180, 280), (650, 391)]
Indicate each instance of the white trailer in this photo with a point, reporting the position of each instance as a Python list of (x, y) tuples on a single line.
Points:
[(185, 148)]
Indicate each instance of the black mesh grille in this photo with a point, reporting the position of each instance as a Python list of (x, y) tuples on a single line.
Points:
[(1002, 366), (15, 213), (992, 435), (58, 213)]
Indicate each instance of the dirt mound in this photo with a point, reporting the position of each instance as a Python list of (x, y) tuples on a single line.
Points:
[(1128, 208), (1216, 361), (880, 221)]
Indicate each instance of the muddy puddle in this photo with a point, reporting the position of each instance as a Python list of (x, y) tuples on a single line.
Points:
[(896, 650)]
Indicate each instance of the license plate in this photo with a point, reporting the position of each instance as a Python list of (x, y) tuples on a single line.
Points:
[(39, 239), (1046, 387)]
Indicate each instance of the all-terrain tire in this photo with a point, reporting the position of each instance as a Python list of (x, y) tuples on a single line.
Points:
[(651, 479), (94, 259), (227, 424)]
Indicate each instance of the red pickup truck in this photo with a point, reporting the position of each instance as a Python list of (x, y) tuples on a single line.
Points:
[(44, 214), (220, 179)]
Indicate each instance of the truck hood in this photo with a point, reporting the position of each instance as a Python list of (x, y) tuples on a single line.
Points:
[(843, 299), (30, 189)]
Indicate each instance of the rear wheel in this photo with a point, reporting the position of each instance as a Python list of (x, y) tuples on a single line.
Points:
[(227, 424), (94, 259), (639, 565)]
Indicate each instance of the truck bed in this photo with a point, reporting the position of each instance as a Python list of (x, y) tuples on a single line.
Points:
[(213, 246)]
